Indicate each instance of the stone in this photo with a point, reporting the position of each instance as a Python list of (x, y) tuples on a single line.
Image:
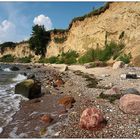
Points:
[(129, 76), (131, 91), (29, 88), (118, 64), (46, 118), (130, 104), (66, 101), (59, 82), (31, 76), (14, 68), (91, 119), (114, 90)]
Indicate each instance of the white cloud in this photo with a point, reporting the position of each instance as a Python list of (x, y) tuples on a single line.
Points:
[(43, 20), (7, 31)]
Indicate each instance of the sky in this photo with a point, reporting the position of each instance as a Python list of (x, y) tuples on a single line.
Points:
[(17, 18)]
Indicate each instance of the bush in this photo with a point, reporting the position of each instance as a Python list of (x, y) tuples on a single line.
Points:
[(125, 58), (87, 57), (43, 60), (25, 59), (69, 57), (111, 50), (7, 58), (60, 40), (53, 59)]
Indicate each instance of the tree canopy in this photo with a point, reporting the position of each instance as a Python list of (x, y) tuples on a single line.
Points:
[(39, 40)]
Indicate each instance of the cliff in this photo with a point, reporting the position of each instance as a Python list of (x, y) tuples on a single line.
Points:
[(119, 21)]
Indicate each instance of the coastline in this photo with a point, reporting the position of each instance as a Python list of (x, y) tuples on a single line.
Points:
[(27, 121)]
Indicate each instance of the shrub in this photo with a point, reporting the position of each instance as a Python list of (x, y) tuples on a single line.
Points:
[(125, 58), (111, 50), (53, 59), (7, 58), (87, 57), (60, 40), (43, 60), (25, 59), (69, 57)]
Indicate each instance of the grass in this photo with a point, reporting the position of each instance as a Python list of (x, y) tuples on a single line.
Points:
[(7, 58), (125, 58)]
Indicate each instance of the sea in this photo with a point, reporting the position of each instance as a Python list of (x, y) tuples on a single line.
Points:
[(9, 101)]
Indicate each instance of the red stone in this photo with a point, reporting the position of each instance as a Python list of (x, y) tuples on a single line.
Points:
[(46, 118), (91, 119)]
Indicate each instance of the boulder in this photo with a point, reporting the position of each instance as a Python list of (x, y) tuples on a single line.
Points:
[(66, 101), (91, 119), (130, 104), (131, 91), (14, 68), (118, 64), (29, 88)]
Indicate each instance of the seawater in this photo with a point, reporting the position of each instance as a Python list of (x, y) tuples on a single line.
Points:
[(9, 101)]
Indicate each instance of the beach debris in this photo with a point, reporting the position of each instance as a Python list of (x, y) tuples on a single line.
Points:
[(130, 103), (129, 75)]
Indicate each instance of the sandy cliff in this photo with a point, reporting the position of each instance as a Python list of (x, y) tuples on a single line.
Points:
[(120, 18)]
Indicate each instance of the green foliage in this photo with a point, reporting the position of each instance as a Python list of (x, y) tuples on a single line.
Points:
[(87, 57), (53, 59), (5, 45), (125, 58), (60, 40), (25, 59), (7, 58), (68, 57), (111, 50), (39, 40)]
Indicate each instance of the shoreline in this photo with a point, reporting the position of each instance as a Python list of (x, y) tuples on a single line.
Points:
[(65, 122)]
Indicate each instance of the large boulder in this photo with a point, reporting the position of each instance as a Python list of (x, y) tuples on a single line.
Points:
[(14, 68), (118, 64), (91, 119), (29, 88), (130, 103)]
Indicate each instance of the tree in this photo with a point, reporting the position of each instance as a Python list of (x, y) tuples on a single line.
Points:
[(39, 40)]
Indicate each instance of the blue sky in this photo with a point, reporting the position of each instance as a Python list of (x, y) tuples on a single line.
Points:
[(17, 18)]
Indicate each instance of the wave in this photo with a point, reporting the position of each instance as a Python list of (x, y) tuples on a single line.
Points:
[(19, 77), (7, 69)]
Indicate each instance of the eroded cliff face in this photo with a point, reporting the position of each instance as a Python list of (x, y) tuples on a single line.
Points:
[(119, 18), (21, 50)]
